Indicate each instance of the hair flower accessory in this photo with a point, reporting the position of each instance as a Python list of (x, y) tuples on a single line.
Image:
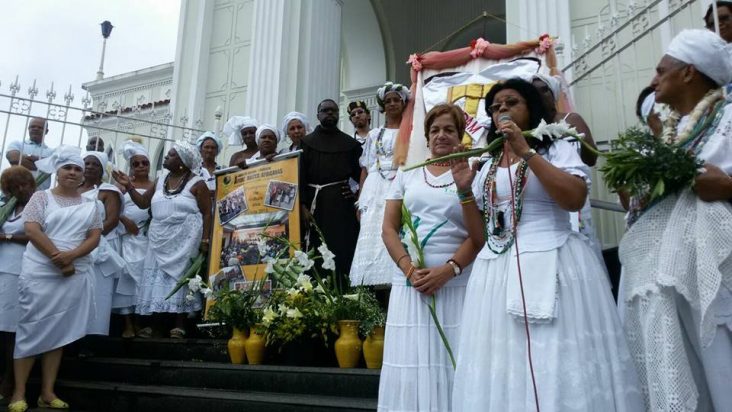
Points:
[(414, 60), (478, 46), (545, 43)]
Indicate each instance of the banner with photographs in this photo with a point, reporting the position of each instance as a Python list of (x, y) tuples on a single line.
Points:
[(259, 200)]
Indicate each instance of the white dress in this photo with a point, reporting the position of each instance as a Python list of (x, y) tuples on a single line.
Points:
[(417, 373), (55, 310), (372, 264), (108, 266), (582, 220), (11, 256), (580, 357), (134, 249), (676, 291), (174, 236)]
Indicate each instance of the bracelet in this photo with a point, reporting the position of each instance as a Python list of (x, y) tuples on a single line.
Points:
[(465, 195), (206, 241), (410, 272), (467, 201), (400, 259)]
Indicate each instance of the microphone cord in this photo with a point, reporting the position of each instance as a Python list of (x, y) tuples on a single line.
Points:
[(521, 281)]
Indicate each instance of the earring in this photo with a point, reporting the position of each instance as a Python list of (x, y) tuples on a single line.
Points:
[(180, 167)]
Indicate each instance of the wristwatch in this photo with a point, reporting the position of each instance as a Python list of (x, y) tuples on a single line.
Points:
[(457, 270), (528, 155)]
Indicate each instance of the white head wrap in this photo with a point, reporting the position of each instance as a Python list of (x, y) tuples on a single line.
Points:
[(264, 127), (704, 50), (647, 106), (189, 155), (388, 87), (131, 148), (62, 156), (233, 127), (103, 160), (295, 116), (554, 85), (212, 136)]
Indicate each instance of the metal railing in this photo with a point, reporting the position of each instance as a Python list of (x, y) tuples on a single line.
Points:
[(614, 60), (73, 125)]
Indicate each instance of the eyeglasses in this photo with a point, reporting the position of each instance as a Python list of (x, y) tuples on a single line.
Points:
[(140, 163), (509, 103), (357, 112)]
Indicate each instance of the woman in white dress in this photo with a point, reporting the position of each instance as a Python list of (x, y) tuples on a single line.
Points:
[(133, 232), (108, 264), (209, 146), (580, 358), (295, 126), (18, 182), (55, 287), (267, 138), (417, 372), (179, 229), (371, 262)]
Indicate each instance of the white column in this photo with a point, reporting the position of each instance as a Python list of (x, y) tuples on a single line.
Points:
[(295, 57)]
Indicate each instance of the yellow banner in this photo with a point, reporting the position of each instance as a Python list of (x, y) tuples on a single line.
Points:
[(262, 199)]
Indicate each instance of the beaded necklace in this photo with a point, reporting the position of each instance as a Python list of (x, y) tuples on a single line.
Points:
[(380, 151), (181, 185), (501, 238), (424, 173)]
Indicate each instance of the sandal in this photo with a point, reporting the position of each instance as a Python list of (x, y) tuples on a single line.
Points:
[(177, 333), (18, 406), (54, 404), (145, 333)]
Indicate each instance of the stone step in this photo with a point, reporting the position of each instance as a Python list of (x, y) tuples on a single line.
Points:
[(123, 397), (357, 383)]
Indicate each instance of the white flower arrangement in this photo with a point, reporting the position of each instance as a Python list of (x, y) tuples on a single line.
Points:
[(327, 255)]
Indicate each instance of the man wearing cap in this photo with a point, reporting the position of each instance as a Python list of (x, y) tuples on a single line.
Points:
[(677, 256)]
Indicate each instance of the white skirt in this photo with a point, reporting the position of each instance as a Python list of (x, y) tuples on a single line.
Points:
[(155, 286), (372, 264), (417, 373), (8, 302), (581, 360)]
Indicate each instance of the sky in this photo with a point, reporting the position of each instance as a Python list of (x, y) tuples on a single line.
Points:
[(60, 41)]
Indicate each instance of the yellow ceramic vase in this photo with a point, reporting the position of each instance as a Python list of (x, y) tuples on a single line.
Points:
[(373, 348), (237, 352), (348, 345), (255, 347)]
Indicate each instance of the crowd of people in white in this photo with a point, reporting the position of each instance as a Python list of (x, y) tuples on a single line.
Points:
[(505, 260)]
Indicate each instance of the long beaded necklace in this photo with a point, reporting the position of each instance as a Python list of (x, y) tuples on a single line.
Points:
[(424, 173), (501, 238), (181, 185), (380, 151)]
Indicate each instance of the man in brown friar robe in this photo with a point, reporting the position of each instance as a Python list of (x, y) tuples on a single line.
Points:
[(329, 159)]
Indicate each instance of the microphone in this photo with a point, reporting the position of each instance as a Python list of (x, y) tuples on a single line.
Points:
[(502, 118)]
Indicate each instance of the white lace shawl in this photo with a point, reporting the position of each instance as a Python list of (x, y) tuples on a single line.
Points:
[(681, 245)]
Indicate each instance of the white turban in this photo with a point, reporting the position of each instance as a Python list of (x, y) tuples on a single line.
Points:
[(647, 106), (295, 116), (264, 127), (131, 148), (189, 155), (704, 50), (62, 156), (212, 136), (554, 85), (233, 127), (103, 160), (389, 87)]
